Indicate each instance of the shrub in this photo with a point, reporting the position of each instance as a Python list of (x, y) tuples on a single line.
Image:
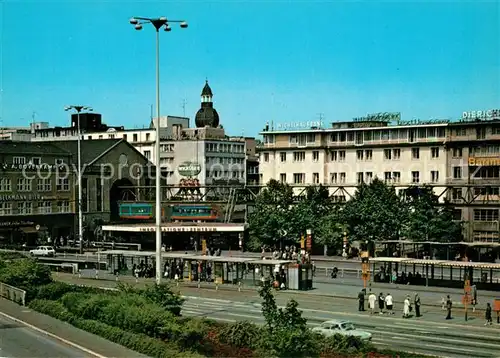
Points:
[(163, 295), (137, 342), (241, 334), (25, 274), (342, 344), (54, 291)]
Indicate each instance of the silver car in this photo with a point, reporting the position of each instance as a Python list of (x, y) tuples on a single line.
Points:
[(345, 328)]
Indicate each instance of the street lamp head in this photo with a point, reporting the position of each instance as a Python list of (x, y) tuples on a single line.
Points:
[(184, 25), (138, 27), (167, 28), (134, 21)]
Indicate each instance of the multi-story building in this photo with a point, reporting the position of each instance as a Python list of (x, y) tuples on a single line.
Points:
[(474, 170), (404, 154), (36, 192)]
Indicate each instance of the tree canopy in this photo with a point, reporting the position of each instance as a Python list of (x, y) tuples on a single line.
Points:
[(374, 213)]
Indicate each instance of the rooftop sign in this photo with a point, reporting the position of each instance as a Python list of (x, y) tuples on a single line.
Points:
[(421, 122), (189, 169), (379, 117), (299, 125), (480, 115)]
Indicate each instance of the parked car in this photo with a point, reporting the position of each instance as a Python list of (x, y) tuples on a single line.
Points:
[(43, 251), (345, 328)]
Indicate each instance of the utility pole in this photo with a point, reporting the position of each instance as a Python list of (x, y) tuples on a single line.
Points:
[(184, 107)]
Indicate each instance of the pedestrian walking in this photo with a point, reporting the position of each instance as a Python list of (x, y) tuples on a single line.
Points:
[(381, 303), (448, 307), (406, 307), (388, 303), (361, 301), (474, 298), (416, 301), (489, 319), (372, 299)]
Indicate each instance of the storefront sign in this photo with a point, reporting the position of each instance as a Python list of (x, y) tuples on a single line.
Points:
[(21, 197), (379, 117), (481, 115), (300, 125), (422, 122), (189, 169), (16, 223), (484, 161), (180, 229), (32, 167)]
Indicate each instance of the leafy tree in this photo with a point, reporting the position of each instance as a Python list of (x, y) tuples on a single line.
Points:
[(273, 216), (375, 212), (330, 229), (427, 220), (315, 204), (287, 334)]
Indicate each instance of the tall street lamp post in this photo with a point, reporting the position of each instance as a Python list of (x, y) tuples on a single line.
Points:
[(78, 110), (157, 23)]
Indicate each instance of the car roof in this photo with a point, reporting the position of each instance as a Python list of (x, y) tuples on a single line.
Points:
[(336, 321)]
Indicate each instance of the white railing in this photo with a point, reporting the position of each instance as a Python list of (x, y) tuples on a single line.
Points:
[(13, 293)]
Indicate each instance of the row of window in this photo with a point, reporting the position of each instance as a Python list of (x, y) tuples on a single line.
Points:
[(224, 148), (29, 208), (480, 132), (135, 137), (486, 215), (216, 174), (361, 177), (33, 160), (224, 160), (25, 184)]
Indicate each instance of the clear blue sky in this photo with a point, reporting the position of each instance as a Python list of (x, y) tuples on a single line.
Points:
[(281, 61)]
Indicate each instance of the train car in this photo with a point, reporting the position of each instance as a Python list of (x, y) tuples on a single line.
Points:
[(193, 212), (136, 211)]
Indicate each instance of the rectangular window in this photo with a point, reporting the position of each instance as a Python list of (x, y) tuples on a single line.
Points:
[(44, 185), (387, 177), (457, 172), (311, 138), (396, 154), (434, 176), (396, 177), (359, 154), (315, 156), (457, 153), (25, 208), (283, 177), (5, 185), (315, 178), (147, 154), (368, 154), (333, 178), (341, 155), (299, 178), (387, 154), (98, 194), (282, 157), (460, 132), (333, 156), (23, 184), (62, 184), (456, 193), (299, 156), (415, 153), (63, 206), (369, 176), (360, 177), (435, 152), (487, 215), (36, 160), (148, 135), (135, 137), (415, 177), (5, 208), (45, 207), (342, 178), (19, 160), (266, 157)]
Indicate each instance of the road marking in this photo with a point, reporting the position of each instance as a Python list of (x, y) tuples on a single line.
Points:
[(65, 341)]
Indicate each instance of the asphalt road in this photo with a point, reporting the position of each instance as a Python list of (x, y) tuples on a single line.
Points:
[(430, 334), (19, 341)]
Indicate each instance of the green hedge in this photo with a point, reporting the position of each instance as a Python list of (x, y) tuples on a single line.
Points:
[(138, 342)]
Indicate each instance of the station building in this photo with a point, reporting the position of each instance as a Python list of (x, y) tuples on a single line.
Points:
[(444, 154)]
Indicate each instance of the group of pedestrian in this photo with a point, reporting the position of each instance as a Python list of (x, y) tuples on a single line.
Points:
[(386, 304)]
